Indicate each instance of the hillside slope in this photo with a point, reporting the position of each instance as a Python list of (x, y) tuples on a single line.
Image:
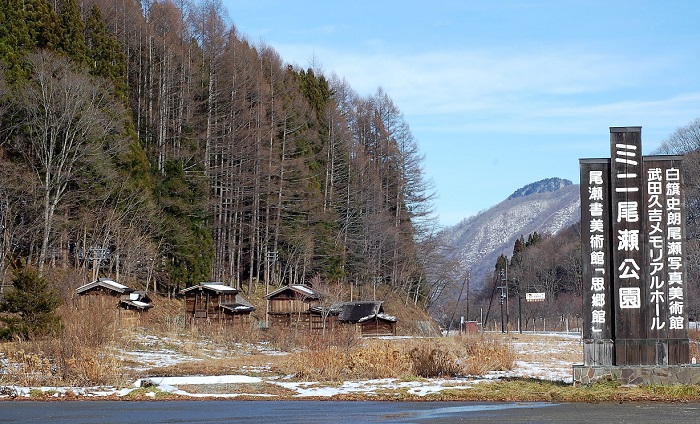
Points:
[(479, 240)]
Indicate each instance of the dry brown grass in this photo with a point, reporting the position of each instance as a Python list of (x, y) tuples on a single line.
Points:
[(529, 347), (694, 336), (88, 352), (77, 357), (245, 390), (401, 358)]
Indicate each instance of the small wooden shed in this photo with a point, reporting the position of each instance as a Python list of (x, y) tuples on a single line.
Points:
[(367, 317), (137, 301), (290, 304), (105, 293), (215, 302)]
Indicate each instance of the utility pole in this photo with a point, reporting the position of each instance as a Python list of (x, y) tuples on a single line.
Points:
[(464, 282), (503, 298), (505, 283), (520, 312), (271, 257)]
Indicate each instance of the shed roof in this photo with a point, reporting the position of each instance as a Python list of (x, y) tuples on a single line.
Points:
[(237, 308), (139, 295), (218, 288), (106, 283), (137, 300), (361, 311), (137, 304), (241, 306), (305, 291)]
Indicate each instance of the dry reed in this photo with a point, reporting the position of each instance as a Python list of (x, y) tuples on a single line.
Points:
[(80, 355), (400, 358)]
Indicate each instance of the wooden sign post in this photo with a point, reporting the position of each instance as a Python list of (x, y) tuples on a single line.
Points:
[(633, 247)]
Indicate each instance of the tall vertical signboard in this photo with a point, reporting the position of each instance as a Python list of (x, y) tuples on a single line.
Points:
[(595, 235), (666, 318), (629, 284), (633, 247)]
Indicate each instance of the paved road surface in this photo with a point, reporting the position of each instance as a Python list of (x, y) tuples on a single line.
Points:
[(228, 411)]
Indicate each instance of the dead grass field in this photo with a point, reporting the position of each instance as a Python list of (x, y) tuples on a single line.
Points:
[(544, 347), (536, 368)]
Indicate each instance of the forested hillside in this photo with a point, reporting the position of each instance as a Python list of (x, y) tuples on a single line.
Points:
[(484, 243), (153, 143)]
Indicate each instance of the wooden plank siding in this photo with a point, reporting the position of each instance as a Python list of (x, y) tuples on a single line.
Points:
[(377, 327), (289, 305), (104, 301), (209, 303)]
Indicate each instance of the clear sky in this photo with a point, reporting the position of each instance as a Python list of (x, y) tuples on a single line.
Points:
[(500, 94)]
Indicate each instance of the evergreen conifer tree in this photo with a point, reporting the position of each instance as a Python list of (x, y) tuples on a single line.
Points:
[(29, 309), (43, 24), (72, 40), (105, 55), (15, 40)]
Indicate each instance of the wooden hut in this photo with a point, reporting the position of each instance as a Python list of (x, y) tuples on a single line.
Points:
[(215, 302), (289, 305), (107, 294), (323, 319), (367, 317), (137, 301)]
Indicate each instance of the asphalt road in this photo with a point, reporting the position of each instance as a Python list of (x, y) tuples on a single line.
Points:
[(232, 411)]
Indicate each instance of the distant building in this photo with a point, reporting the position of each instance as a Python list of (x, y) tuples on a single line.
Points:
[(289, 305), (107, 294), (214, 302), (367, 317)]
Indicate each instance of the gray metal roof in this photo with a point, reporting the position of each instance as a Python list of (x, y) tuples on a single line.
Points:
[(218, 288), (105, 283), (305, 291), (359, 311)]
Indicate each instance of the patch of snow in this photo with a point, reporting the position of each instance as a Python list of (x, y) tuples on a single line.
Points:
[(220, 287), (304, 289), (113, 283), (191, 380), (544, 366)]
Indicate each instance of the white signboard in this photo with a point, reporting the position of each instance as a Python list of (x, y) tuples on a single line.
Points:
[(534, 297)]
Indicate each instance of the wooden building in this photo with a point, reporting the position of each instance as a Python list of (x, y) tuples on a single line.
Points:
[(367, 318), (215, 303), (137, 301), (107, 294), (289, 305)]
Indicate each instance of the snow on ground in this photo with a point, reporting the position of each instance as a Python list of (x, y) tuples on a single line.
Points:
[(547, 357), (374, 387)]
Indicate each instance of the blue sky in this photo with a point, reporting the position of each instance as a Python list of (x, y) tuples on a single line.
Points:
[(500, 94)]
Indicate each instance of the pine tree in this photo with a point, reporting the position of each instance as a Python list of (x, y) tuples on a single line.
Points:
[(518, 249), (72, 40), (533, 239), (31, 305), (26, 26), (501, 262), (43, 23), (188, 241), (104, 52), (15, 40)]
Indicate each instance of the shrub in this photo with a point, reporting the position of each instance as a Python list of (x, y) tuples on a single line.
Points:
[(435, 361), (380, 360), (29, 309), (373, 359), (79, 354), (484, 355)]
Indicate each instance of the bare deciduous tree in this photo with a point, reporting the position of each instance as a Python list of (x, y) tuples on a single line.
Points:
[(66, 117)]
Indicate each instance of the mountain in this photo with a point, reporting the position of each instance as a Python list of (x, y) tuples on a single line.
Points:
[(546, 206), (547, 185)]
